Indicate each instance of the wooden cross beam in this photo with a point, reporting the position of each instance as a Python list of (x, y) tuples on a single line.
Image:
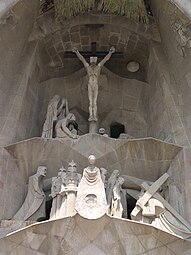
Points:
[(93, 53)]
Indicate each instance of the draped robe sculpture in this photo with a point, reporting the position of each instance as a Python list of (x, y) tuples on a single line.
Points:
[(91, 199), (53, 111), (34, 204)]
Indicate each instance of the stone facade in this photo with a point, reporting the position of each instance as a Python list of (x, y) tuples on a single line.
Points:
[(77, 235), (152, 103)]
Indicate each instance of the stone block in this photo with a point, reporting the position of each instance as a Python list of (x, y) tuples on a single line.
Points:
[(75, 37)]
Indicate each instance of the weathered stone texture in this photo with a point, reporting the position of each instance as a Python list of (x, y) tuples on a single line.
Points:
[(104, 236), (15, 29)]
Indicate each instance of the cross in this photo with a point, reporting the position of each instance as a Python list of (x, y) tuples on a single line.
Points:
[(151, 191), (93, 53)]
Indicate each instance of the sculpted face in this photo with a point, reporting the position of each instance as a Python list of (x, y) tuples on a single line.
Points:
[(116, 172), (61, 170), (121, 180), (42, 170), (93, 60), (92, 159)]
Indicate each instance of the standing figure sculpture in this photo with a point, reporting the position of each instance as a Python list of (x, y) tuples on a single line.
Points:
[(34, 204), (53, 111), (93, 70), (69, 191), (91, 200), (116, 204), (55, 194), (110, 185)]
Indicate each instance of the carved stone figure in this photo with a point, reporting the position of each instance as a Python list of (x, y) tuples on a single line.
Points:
[(93, 70), (116, 204), (102, 132), (110, 185), (55, 108), (148, 212), (65, 127), (167, 222), (69, 190), (91, 198), (55, 194), (160, 215), (103, 176), (34, 204)]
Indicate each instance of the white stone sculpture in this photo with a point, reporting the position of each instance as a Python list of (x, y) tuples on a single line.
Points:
[(34, 204), (91, 199), (55, 194), (116, 204), (167, 222), (153, 209), (65, 128), (69, 190), (55, 108), (102, 132), (110, 185), (93, 69), (103, 176), (148, 212)]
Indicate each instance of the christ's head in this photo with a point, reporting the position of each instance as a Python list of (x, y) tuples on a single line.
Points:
[(93, 60)]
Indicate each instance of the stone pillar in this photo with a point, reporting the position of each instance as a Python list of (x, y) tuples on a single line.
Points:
[(68, 208), (93, 127), (71, 200)]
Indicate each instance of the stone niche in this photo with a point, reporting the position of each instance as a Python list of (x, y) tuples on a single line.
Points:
[(119, 100), (146, 159)]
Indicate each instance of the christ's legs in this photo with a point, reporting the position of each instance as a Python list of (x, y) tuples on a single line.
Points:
[(95, 103), (90, 95)]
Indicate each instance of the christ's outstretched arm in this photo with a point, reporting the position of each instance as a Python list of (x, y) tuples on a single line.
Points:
[(107, 57), (81, 58)]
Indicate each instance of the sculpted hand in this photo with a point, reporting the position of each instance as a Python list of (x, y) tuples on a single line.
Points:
[(75, 136), (74, 50), (112, 49)]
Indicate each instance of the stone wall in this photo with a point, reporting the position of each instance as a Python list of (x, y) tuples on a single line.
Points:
[(118, 101), (179, 184), (175, 33), (176, 42), (12, 185), (15, 29), (164, 120), (5, 5)]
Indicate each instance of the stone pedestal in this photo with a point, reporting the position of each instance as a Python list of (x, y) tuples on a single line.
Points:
[(68, 208), (93, 127), (71, 200)]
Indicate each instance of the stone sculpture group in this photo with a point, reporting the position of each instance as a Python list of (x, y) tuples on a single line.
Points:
[(59, 123), (93, 194), (85, 194)]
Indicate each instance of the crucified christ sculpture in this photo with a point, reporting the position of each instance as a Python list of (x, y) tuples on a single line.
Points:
[(93, 70)]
